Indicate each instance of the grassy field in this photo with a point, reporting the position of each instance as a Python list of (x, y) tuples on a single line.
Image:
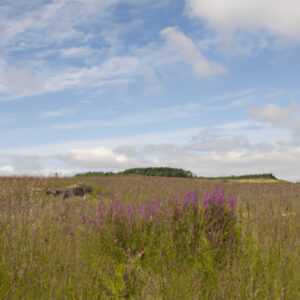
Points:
[(150, 238)]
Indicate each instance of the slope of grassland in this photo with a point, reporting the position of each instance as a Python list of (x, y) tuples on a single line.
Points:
[(149, 238), (256, 180)]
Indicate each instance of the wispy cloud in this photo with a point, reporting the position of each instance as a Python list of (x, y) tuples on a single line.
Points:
[(42, 42), (40, 23), (76, 52), (279, 116), (61, 112), (186, 50), (246, 27), (214, 150), (146, 116), (275, 17)]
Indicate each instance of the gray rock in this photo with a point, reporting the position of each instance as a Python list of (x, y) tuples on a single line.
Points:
[(69, 191)]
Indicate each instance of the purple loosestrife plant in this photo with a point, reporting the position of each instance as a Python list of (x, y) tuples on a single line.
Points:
[(220, 218), (186, 224), (217, 198), (147, 210), (130, 212), (143, 210), (154, 208), (115, 207), (190, 199)]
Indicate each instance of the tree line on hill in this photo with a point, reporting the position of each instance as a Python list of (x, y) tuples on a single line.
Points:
[(172, 172), (162, 171), (249, 176)]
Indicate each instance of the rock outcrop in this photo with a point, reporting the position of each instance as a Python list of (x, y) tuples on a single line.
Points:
[(69, 191)]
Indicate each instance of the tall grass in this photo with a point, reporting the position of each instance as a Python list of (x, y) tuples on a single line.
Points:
[(149, 238)]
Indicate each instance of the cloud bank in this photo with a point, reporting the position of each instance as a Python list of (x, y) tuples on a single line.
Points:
[(279, 18)]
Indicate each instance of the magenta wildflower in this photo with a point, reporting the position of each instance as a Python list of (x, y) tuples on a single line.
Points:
[(219, 197), (142, 209), (206, 200), (149, 209), (100, 213), (154, 207), (190, 199), (130, 212), (115, 207), (217, 200), (177, 203)]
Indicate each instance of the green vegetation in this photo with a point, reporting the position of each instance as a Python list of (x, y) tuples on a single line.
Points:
[(267, 176), (175, 172), (163, 172), (94, 174), (143, 237)]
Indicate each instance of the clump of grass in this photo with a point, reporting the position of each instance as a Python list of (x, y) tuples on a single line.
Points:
[(161, 231), (220, 220)]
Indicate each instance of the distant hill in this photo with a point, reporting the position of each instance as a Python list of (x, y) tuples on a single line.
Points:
[(161, 171), (266, 176), (175, 172), (94, 174)]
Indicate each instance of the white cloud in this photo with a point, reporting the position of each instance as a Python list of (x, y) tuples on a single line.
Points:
[(39, 38), (41, 24), (22, 82), (279, 18), (6, 170), (282, 162), (223, 150), (279, 116), (213, 139), (187, 51), (75, 52), (61, 112), (148, 116), (35, 32), (22, 163), (100, 157), (16, 81)]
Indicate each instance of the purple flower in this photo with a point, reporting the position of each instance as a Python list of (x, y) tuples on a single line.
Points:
[(206, 200), (142, 209), (217, 199), (149, 209), (130, 211), (154, 207), (100, 213), (190, 198), (115, 207)]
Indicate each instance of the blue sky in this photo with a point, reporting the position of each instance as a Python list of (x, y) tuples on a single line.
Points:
[(111, 84)]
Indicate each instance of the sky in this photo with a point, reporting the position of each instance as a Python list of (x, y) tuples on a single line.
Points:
[(103, 85)]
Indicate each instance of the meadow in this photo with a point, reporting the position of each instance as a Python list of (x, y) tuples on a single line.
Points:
[(141, 237)]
